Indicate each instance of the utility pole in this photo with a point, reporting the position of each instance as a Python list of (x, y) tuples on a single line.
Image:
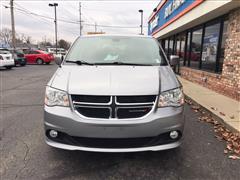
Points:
[(55, 21), (95, 27), (141, 26), (80, 18), (45, 40), (13, 25)]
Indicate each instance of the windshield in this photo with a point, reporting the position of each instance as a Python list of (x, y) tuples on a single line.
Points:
[(112, 49)]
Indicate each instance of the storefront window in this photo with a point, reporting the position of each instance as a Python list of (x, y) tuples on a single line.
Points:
[(166, 46), (178, 44), (200, 47), (210, 45), (182, 48), (188, 48), (224, 37), (162, 42), (170, 50), (183, 42), (174, 45), (196, 48)]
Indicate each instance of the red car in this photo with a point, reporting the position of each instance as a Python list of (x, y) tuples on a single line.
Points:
[(38, 57)]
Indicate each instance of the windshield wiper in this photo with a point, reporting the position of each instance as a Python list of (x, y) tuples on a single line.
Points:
[(122, 63), (80, 62), (109, 63)]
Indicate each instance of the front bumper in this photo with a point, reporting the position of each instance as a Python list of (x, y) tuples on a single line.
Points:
[(162, 121), (140, 149)]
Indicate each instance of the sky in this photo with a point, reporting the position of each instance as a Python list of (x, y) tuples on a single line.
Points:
[(35, 18)]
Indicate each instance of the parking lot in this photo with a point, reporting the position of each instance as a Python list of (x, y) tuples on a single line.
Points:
[(24, 154)]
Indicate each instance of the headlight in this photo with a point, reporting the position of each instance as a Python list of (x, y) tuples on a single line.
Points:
[(172, 97), (55, 97)]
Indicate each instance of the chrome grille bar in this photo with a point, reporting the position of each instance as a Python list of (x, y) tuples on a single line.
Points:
[(133, 110)]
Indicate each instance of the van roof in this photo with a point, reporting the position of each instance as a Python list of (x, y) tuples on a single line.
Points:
[(116, 35)]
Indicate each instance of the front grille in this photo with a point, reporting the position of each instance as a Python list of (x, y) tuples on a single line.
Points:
[(113, 107), (135, 99), (94, 112), (123, 113), (91, 99)]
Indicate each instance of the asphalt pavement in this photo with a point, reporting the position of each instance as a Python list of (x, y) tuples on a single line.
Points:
[(24, 154)]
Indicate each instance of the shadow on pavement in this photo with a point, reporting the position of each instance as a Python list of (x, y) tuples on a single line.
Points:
[(79, 162)]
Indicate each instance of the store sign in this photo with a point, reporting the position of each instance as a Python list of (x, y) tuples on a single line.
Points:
[(154, 23), (172, 7), (168, 12)]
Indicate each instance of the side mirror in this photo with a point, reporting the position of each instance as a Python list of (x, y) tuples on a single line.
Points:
[(174, 60), (59, 60)]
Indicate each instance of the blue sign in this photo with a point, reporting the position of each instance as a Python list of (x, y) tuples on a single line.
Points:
[(210, 39), (169, 12)]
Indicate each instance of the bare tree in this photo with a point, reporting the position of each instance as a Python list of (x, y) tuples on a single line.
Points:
[(64, 44), (45, 42), (25, 39), (22, 37), (28, 39), (6, 36)]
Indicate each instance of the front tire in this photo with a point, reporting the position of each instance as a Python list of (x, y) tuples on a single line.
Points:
[(39, 61), (47, 63)]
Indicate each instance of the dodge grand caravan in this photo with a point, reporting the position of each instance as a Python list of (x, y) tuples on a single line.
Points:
[(114, 94)]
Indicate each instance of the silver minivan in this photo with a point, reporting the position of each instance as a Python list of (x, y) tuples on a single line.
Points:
[(114, 93)]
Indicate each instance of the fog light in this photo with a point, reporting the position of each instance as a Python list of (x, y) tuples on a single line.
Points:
[(173, 134), (53, 133)]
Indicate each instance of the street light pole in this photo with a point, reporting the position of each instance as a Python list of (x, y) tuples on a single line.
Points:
[(141, 26), (55, 21), (95, 27), (80, 18)]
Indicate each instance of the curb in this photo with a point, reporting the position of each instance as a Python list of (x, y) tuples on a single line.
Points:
[(219, 119)]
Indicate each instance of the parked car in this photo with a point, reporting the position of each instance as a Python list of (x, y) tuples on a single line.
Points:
[(60, 52), (19, 58), (6, 59), (38, 57), (114, 94)]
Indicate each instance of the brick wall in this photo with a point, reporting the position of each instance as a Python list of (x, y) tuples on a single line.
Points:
[(227, 83)]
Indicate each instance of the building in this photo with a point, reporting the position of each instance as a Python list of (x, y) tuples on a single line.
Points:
[(206, 36)]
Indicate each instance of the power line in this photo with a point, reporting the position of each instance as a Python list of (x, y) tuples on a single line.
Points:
[(72, 22), (39, 15), (35, 17), (101, 10), (88, 18), (47, 22)]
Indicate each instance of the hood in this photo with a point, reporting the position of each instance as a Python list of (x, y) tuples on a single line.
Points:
[(114, 80)]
